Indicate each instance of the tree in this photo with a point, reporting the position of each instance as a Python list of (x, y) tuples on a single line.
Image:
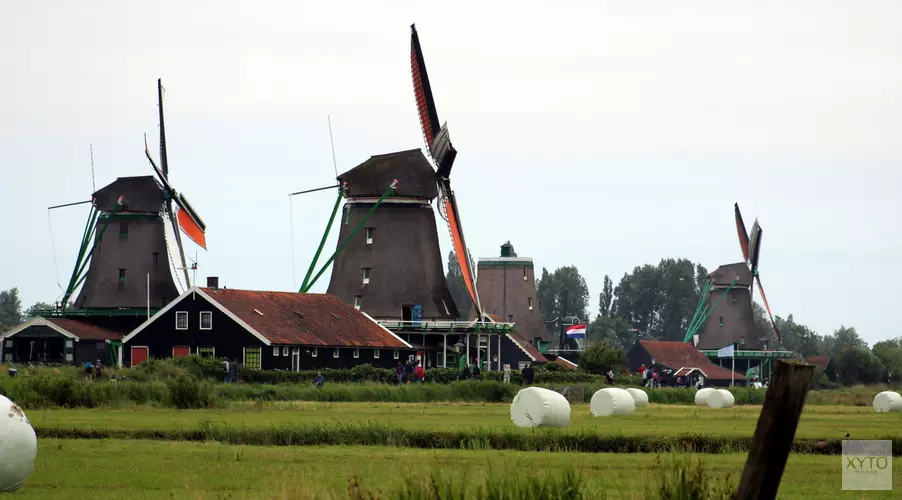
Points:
[(889, 352), (549, 291), (458, 287), (844, 338), (601, 357), (10, 309), (32, 312), (606, 297), (857, 365), (613, 330), (797, 337)]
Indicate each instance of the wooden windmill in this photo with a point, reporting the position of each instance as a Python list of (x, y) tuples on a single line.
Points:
[(724, 315), (388, 262), (129, 265)]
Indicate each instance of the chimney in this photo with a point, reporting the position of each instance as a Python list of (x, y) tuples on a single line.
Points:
[(213, 282)]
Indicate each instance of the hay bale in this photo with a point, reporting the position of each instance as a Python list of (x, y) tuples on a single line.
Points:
[(888, 401), (611, 401), (701, 397), (18, 446), (539, 407), (720, 398), (640, 397)]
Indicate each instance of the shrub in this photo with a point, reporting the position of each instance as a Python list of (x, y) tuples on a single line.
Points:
[(187, 392)]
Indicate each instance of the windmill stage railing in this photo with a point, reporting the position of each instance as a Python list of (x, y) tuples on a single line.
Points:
[(448, 326)]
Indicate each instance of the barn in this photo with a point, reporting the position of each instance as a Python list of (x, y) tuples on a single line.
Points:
[(683, 359), (265, 330), (59, 341)]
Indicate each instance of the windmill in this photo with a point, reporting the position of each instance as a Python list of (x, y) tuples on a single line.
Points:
[(731, 287), (131, 266)]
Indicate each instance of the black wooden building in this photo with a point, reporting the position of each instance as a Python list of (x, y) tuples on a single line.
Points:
[(265, 330), (64, 341)]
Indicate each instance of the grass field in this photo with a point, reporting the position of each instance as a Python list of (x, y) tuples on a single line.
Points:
[(134, 470), (818, 422)]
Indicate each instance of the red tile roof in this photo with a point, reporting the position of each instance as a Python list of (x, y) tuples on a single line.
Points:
[(304, 319), (676, 355), (526, 346), (565, 363), (821, 361), (84, 330)]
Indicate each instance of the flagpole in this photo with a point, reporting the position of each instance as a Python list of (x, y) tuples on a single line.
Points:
[(733, 371)]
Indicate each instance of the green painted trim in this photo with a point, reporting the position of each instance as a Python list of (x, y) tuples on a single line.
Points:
[(322, 242), (495, 263), (753, 354)]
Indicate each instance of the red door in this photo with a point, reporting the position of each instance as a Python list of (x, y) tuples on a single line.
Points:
[(139, 355), (181, 351)]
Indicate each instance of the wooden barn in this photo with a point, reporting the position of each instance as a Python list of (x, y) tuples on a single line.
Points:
[(63, 341), (265, 330), (683, 360)]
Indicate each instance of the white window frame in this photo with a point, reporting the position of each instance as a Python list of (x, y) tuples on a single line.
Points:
[(366, 275), (314, 352), (335, 353), (285, 351), (369, 236), (181, 314), (244, 357), (276, 350), (356, 352), (530, 303), (206, 347), (375, 353), (396, 354), (525, 273), (357, 300), (209, 314)]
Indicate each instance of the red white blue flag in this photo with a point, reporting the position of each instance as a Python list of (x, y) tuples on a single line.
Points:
[(577, 331)]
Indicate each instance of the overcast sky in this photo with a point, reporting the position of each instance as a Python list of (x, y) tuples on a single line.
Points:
[(603, 134)]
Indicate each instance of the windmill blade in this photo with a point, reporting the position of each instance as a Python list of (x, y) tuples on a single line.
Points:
[(164, 162), (755, 246), (460, 246), (767, 307), (743, 234), (437, 138)]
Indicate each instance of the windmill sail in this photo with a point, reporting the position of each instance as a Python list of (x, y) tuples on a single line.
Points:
[(460, 247), (743, 234)]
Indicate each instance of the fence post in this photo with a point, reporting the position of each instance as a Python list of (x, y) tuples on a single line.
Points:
[(775, 432)]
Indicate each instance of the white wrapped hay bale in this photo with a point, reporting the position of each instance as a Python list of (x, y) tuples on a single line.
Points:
[(888, 401), (640, 397), (611, 401), (538, 407), (720, 398), (701, 397), (18, 446)]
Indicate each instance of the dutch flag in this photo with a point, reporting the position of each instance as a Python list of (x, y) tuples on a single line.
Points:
[(576, 331)]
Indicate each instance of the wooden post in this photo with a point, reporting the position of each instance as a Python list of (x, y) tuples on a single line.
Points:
[(776, 431)]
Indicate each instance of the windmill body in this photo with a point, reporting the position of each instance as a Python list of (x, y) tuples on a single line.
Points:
[(392, 269), (129, 244), (732, 321)]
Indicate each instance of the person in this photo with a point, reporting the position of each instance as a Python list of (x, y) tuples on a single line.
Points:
[(466, 373), (528, 374), (399, 371), (233, 371), (228, 373), (319, 380), (98, 370), (408, 372), (420, 373), (477, 373), (642, 371), (507, 374), (89, 369), (654, 379), (610, 376)]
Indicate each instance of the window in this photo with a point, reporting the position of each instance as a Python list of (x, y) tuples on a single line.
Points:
[(369, 236), (357, 300), (9, 343), (396, 354), (314, 352), (721, 321), (181, 320), (530, 303), (356, 353), (252, 357), (764, 346), (525, 275), (733, 298), (366, 275), (284, 351), (122, 277), (275, 351), (156, 259), (375, 353), (741, 340), (100, 346), (123, 229), (206, 352), (69, 344), (334, 353), (510, 318), (206, 320)]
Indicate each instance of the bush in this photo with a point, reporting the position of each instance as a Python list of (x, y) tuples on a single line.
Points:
[(186, 392)]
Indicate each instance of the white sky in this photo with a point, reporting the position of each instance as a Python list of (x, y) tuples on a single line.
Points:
[(604, 134)]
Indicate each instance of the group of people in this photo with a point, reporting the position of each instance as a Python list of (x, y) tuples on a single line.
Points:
[(410, 373), (230, 366), (93, 371)]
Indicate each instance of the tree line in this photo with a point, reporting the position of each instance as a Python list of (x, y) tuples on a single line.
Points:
[(657, 302)]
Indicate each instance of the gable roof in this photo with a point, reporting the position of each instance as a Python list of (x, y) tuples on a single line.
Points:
[(71, 328), (679, 355), (416, 178), (294, 318), (821, 361), (524, 345), (566, 363)]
